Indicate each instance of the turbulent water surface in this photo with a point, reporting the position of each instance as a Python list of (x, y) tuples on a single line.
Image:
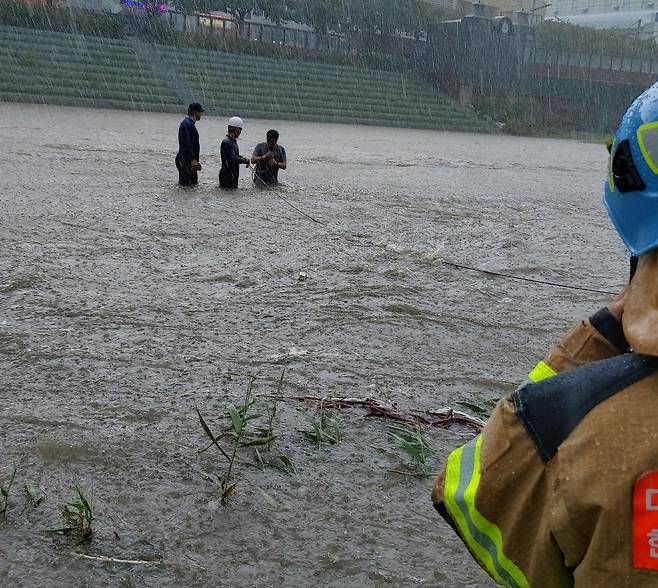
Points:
[(127, 302)]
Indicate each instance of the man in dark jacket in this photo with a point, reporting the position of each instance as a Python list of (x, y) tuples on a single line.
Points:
[(230, 153), (187, 159)]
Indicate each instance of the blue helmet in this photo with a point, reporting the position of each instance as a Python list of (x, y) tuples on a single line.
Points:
[(631, 190)]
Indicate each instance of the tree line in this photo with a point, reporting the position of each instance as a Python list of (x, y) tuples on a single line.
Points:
[(340, 16)]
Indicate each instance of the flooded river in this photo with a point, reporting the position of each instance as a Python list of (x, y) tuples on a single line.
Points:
[(126, 303)]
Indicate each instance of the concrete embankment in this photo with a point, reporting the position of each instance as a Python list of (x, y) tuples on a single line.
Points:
[(58, 68)]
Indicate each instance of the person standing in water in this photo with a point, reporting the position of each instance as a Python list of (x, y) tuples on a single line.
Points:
[(187, 158), (229, 174), (269, 158)]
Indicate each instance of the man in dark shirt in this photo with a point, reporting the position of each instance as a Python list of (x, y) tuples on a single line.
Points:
[(230, 153), (269, 158), (187, 159)]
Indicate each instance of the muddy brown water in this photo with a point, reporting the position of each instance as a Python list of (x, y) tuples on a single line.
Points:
[(126, 302)]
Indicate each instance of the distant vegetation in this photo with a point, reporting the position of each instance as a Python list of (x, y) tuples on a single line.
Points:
[(18, 14), (166, 36), (343, 16), (537, 106), (563, 37)]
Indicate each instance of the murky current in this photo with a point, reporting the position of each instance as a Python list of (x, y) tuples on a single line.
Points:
[(126, 303)]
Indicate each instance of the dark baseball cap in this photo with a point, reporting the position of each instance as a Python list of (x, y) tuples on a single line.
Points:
[(195, 107)]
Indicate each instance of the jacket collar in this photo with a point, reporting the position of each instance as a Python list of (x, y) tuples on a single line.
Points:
[(640, 318)]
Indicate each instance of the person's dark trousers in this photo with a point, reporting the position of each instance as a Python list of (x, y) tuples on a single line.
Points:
[(228, 178), (186, 175)]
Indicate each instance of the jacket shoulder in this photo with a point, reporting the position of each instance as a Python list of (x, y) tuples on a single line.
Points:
[(551, 409)]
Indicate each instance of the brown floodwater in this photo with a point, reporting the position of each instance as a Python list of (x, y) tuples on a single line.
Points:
[(126, 303)]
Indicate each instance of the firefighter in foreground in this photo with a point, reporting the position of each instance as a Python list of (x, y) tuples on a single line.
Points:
[(561, 487)]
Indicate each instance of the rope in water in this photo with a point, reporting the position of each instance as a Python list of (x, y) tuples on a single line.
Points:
[(522, 279), (450, 263), (271, 189)]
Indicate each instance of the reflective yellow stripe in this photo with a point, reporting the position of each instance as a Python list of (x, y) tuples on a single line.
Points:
[(541, 371), (611, 180), (483, 537), (642, 135)]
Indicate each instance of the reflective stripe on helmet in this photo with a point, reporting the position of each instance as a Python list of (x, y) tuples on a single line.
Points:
[(541, 372), (611, 180), (647, 137), (482, 537)]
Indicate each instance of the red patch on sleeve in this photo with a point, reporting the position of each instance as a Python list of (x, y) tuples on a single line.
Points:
[(645, 521)]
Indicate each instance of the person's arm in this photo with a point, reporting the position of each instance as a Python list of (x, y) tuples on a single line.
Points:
[(229, 153), (599, 337), (258, 154), (235, 158), (185, 142), (283, 162), (223, 153), (196, 147)]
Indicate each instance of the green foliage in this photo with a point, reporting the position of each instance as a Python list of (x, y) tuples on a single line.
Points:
[(17, 13), (411, 439), (324, 430), (33, 496), (241, 431), (354, 19), (5, 490), (29, 60), (553, 107), (78, 517), (288, 466), (385, 16), (481, 410), (564, 37), (167, 36)]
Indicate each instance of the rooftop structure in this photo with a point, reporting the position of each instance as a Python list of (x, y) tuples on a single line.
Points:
[(562, 8), (643, 24)]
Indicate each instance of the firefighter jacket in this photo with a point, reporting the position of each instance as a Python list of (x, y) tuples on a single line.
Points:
[(561, 487)]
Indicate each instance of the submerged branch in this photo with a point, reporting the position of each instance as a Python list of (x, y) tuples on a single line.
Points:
[(434, 418), (118, 559)]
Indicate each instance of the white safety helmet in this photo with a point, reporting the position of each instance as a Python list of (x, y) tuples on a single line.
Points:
[(235, 121)]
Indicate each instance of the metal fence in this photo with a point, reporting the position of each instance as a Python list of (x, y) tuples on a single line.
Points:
[(263, 33)]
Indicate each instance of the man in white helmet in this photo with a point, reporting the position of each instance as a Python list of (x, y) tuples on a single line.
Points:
[(230, 153)]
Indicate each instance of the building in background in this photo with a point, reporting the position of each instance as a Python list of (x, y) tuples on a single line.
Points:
[(640, 24), (110, 6), (49, 3), (132, 7), (561, 8), (519, 11), (639, 18)]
